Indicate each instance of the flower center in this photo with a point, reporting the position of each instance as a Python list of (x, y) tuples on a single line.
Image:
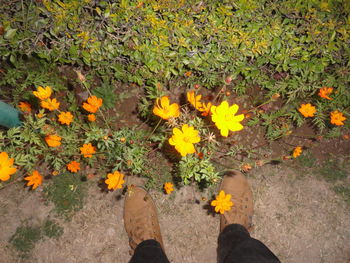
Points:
[(186, 139)]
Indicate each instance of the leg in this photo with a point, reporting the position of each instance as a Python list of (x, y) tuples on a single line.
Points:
[(149, 251), (142, 227), (235, 244)]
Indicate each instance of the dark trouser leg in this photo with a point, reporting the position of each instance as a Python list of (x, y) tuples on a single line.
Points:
[(236, 246), (149, 251)]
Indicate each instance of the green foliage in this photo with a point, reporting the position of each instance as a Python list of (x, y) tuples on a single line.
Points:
[(193, 169), (306, 159), (107, 92), (24, 239), (52, 229), (67, 192)]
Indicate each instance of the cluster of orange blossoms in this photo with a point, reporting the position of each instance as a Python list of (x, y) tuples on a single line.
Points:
[(53, 140), (308, 110), (224, 116), (92, 105)]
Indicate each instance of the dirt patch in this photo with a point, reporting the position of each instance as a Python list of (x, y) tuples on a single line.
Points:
[(298, 217)]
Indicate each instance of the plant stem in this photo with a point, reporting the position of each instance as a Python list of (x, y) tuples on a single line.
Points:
[(155, 128)]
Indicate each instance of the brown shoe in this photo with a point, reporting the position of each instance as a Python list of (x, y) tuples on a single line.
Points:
[(140, 217), (235, 184)]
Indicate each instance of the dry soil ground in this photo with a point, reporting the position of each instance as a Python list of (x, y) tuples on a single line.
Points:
[(299, 217)]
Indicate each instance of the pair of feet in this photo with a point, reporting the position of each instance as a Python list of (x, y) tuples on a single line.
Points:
[(141, 220)]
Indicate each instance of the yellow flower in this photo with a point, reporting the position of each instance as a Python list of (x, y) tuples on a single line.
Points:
[(324, 92), (43, 93), (92, 117), (6, 168), (168, 187), (222, 202), (337, 118), (87, 150), (93, 104), (115, 180), (307, 110), (25, 106), (65, 118), (225, 119), (297, 151), (53, 140), (73, 166), (164, 110), (50, 104), (184, 139), (35, 179)]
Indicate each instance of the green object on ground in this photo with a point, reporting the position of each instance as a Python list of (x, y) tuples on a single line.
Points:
[(9, 116)]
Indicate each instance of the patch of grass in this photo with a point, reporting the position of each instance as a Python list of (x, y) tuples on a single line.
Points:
[(344, 191), (25, 238), (332, 171), (67, 192), (52, 229), (306, 159)]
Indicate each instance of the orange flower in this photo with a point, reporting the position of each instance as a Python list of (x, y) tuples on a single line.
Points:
[(307, 110), (55, 173), (53, 140), (65, 118), (115, 180), (25, 106), (73, 166), (35, 179), (164, 110), (87, 150), (324, 92), (188, 73), (222, 203), (43, 93), (205, 109), (50, 104), (93, 104), (40, 115), (337, 118), (92, 117), (246, 167), (6, 168), (297, 151), (168, 188), (195, 102), (194, 99)]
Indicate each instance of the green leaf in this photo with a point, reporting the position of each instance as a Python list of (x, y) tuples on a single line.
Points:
[(10, 33)]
